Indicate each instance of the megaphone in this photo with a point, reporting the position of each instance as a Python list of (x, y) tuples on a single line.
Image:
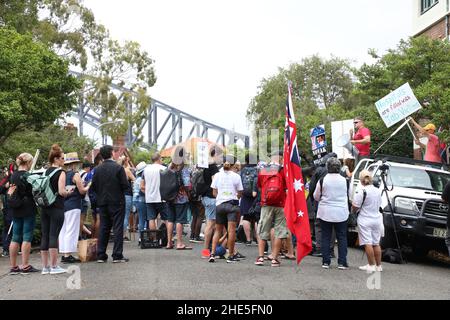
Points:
[(344, 141)]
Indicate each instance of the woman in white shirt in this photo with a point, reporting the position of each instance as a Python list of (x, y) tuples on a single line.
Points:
[(370, 222), (333, 212), (227, 188)]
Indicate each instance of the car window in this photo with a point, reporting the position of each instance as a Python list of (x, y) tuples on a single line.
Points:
[(418, 178)]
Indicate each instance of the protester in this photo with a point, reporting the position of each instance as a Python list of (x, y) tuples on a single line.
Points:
[(110, 185), (446, 199), (86, 168), (361, 139), (370, 221), (432, 153), (6, 210), (151, 181), (249, 175), (348, 168), (209, 203), (23, 215), (93, 198), (70, 231), (227, 188), (333, 213), (272, 178), (139, 198), (52, 217), (123, 161), (197, 212)]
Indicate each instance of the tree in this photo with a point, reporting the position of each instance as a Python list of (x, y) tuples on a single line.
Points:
[(35, 87)]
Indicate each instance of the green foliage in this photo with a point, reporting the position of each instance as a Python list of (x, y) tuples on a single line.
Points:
[(30, 140), (139, 155), (35, 87)]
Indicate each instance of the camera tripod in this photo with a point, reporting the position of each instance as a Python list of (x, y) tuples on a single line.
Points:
[(383, 175)]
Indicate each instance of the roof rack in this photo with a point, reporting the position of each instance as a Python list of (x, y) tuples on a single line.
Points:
[(434, 165)]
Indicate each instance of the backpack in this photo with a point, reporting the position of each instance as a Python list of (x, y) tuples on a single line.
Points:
[(199, 185), (272, 191), (170, 184), (392, 256), (43, 194), (248, 176), (14, 198)]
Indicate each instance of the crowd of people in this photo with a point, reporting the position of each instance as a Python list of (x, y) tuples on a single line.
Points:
[(227, 196)]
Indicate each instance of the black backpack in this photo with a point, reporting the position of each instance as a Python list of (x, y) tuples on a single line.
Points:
[(248, 176), (170, 184), (391, 255), (199, 185)]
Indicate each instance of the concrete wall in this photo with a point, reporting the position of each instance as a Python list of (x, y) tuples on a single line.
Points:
[(433, 21)]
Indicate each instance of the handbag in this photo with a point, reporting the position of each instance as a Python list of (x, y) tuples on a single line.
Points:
[(353, 216)]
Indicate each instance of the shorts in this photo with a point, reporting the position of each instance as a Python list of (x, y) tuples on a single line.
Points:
[(251, 218), (23, 229), (246, 204), (177, 213), (197, 209), (272, 217), (153, 209), (227, 212), (369, 232), (210, 208)]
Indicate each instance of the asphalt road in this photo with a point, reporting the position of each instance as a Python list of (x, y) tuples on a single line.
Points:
[(158, 274)]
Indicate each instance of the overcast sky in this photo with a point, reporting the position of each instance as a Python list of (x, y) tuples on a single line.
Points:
[(210, 55)]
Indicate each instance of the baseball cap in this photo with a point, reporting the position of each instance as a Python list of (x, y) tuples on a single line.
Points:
[(430, 126)]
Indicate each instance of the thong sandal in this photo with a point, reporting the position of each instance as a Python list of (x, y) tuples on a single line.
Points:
[(184, 248)]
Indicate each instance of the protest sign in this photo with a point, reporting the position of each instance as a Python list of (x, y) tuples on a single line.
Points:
[(202, 154), (338, 129), (398, 105), (318, 142)]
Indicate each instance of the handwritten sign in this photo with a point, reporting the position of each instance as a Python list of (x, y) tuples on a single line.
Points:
[(398, 105), (202, 154)]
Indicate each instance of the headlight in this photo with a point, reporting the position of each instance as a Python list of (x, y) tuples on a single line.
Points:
[(407, 204)]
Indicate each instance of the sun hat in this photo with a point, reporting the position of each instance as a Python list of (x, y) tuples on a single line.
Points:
[(71, 157), (140, 167), (430, 126)]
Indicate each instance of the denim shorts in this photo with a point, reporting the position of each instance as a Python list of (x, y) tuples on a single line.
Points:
[(23, 229), (153, 209), (177, 213), (210, 208)]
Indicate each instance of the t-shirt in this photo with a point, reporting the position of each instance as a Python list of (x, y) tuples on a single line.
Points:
[(332, 198), (208, 173), (59, 202), (228, 184), (372, 203), (152, 180), (432, 154), (28, 208), (364, 149)]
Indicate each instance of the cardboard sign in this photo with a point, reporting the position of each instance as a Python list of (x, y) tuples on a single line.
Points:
[(202, 154), (398, 105), (318, 142), (338, 129), (87, 250)]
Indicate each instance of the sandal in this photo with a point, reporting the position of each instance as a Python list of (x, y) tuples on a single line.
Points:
[(169, 247), (184, 248)]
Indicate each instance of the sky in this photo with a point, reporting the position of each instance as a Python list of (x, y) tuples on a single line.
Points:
[(211, 55)]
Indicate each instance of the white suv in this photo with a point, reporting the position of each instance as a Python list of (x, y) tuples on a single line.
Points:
[(414, 188)]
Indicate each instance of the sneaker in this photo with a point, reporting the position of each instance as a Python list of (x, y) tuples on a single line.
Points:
[(57, 270), (259, 261), (325, 266), (343, 267), (14, 271), (248, 243), (70, 259), (29, 269), (317, 254), (232, 259), (101, 260), (206, 253), (5, 253), (123, 260), (276, 263), (240, 256), (212, 259), (379, 269), (368, 268), (45, 270)]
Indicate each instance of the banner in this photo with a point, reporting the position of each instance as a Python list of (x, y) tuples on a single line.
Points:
[(398, 105), (202, 154), (338, 129), (318, 142)]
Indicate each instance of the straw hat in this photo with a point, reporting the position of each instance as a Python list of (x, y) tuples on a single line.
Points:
[(71, 157), (140, 167)]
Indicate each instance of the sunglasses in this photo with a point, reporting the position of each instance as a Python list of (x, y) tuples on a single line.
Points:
[(356, 122)]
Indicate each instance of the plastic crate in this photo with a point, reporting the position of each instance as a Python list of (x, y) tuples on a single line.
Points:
[(151, 239)]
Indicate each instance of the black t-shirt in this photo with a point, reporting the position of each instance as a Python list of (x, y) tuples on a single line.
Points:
[(59, 202), (446, 198), (208, 173), (28, 208)]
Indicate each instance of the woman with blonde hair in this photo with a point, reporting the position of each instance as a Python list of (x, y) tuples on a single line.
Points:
[(24, 216), (123, 161), (370, 223)]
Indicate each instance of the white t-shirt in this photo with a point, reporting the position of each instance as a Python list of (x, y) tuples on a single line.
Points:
[(152, 180), (370, 208), (333, 201), (228, 184)]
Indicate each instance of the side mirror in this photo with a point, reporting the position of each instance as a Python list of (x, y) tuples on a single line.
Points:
[(377, 181)]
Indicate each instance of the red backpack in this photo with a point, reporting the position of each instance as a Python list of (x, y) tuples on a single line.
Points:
[(273, 192)]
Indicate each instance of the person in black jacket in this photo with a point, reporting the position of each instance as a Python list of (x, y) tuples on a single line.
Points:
[(7, 212), (110, 184)]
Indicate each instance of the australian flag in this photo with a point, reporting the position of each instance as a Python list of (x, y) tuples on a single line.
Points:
[(295, 208)]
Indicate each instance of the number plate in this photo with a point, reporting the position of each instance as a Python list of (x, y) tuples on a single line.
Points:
[(440, 233)]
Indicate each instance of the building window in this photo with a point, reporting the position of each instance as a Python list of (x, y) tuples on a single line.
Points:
[(427, 5)]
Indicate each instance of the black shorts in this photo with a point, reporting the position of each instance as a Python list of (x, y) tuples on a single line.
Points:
[(252, 218), (227, 212)]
